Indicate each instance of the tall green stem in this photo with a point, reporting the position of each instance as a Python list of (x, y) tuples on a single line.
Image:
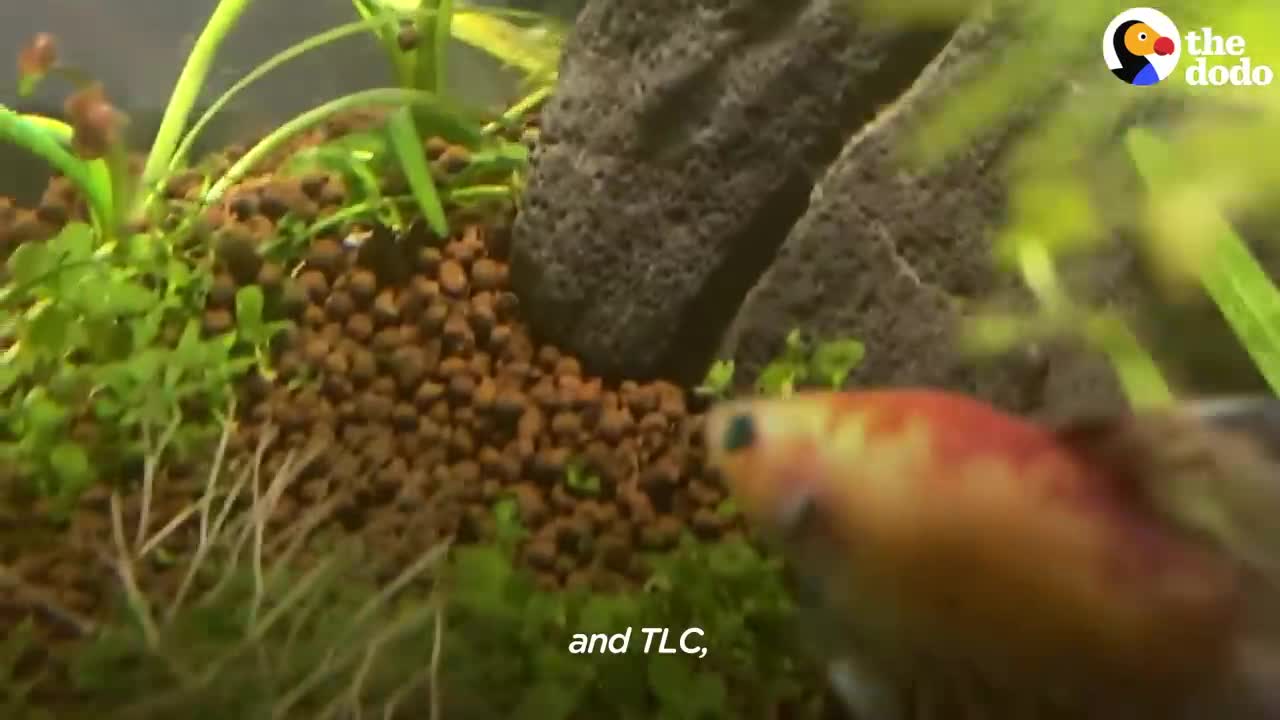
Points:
[(275, 61), (379, 96), (185, 94)]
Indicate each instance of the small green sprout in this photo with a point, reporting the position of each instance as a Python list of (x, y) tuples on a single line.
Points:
[(833, 361), (508, 528), (727, 508), (801, 361), (581, 481), (718, 381)]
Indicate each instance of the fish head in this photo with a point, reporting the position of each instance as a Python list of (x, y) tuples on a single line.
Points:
[(786, 461)]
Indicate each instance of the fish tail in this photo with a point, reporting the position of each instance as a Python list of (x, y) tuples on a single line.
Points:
[(1252, 688), (863, 693), (1211, 467)]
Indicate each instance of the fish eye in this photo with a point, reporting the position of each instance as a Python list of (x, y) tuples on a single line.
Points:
[(740, 432)]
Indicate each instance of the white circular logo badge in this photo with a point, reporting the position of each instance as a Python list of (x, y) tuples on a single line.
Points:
[(1141, 46)]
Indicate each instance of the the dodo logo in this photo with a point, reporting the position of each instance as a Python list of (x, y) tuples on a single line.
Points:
[(1141, 46)]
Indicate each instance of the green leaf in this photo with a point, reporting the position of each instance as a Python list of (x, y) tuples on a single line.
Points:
[(598, 616), (413, 163), (48, 138), (105, 408), (836, 359), (124, 297), (49, 329), (719, 379), (146, 328), (483, 574), (669, 679), (43, 414), (144, 366), (504, 158), (177, 275), (795, 344), (71, 464), (249, 303), (708, 696), (728, 559), (506, 511), (550, 701), (29, 262), (582, 481), (74, 242), (778, 379), (140, 248), (1231, 275), (187, 352), (433, 28), (533, 50), (9, 375)]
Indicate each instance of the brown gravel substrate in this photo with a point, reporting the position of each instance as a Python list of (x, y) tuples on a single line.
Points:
[(408, 361), (434, 402)]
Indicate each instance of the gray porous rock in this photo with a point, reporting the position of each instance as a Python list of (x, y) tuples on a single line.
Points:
[(715, 175), (680, 147), (897, 254)]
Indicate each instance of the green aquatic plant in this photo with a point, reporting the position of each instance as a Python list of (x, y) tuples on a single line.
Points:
[(416, 35), (803, 361), (581, 481), (506, 634), (719, 380), (272, 620), (250, 631), (89, 150), (419, 107), (1230, 273), (185, 93), (15, 688), (1212, 133), (54, 329), (106, 357), (95, 131)]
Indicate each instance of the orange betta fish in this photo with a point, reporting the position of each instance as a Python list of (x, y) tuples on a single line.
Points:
[(962, 563)]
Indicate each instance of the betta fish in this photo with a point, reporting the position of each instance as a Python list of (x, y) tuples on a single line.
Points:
[(957, 562)]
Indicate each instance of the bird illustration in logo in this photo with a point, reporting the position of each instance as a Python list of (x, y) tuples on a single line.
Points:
[(1134, 41)]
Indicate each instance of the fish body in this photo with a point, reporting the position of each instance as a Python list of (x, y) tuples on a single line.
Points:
[(960, 562)]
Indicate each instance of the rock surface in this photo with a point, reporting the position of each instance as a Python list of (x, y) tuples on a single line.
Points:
[(680, 147), (690, 201), (893, 255)]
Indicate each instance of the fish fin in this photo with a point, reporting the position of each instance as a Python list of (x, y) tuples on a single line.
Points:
[(1210, 467), (866, 695), (1256, 417), (1241, 503), (1253, 689)]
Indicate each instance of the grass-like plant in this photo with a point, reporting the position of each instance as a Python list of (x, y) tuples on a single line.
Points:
[(77, 150), (419, 107), (1212, 140), (272, 621), (93, 310), (416, 36), (251, 631)]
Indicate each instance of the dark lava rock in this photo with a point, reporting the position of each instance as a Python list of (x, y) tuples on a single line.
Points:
[(895, 256), (679, 148)]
